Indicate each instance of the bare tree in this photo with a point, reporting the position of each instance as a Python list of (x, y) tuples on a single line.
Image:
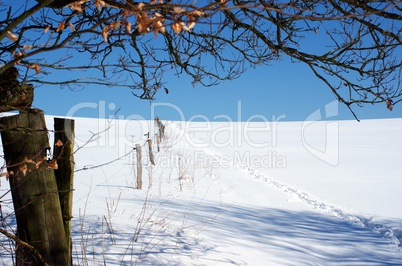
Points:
[(135, 45), (122, 43)]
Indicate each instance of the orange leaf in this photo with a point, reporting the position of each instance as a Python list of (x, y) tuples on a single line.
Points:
[(390, 104), (27, 47), (36, 67), (158, 27), (114, 25), (105, 33), (178, 10), (46, 29), (191, 23), (195, 13), (126, 13), (76, 6), (58, 143), (16, 55), (26, 160), (53, 165), (39, 162), (62, 26), (177, 27), (99, 3), (139, 6), (143, 22), (23, 168), (11, 36), (128, 27), (7, 174)]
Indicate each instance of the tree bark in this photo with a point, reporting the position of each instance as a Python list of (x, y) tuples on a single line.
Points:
[(34, 189), (63, 153)]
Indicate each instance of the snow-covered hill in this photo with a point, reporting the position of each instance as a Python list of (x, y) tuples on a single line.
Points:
[(259, 193)]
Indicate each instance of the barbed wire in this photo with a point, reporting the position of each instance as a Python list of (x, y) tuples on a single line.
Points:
[(85, 168)]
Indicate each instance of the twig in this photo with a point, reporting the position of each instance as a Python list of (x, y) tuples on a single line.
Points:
[(34, 251)]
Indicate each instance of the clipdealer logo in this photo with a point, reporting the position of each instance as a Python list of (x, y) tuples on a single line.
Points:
[(327, 152)]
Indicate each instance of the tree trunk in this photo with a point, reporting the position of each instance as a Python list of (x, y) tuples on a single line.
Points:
[(63, 152), (34, 189)]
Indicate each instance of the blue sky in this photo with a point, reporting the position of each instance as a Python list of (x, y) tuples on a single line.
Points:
[(283, 90)]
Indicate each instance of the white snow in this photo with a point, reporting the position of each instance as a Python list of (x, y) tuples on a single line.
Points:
[(251, 193)]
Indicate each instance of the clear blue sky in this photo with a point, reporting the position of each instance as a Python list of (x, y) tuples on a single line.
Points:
[(282, 89)]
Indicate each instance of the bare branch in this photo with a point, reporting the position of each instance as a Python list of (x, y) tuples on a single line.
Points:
[(133, 44)]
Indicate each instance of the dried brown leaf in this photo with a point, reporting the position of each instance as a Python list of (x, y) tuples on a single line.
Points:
[(61, 26), (144, 22), (195, 13), (11, 36), (77, 5), (99, 3), (177, 27), (36, 67), (390, 105), (105, 33), (158, 27), (26, 160), (17, 55), (58, 143), (191, 23), (178, 10), (27, 47), (140, 6), (114, 25), (7, 174), (128, 27), (53, 165), (23, 168), (184, 27), (39, 162)]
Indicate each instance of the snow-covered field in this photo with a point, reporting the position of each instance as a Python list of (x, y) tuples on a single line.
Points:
[(259, 193)]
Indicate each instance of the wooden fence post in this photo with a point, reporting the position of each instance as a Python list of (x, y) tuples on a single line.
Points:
[(161, 128), (63, 153), (139, 166), (151, 155), (33, 189), (158, 142)]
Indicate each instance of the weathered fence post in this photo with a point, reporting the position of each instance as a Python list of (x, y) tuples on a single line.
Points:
[(139, 166), (151, 155), (33, 189), (63, 153), (151, 159), (161, 128), (158, 141)]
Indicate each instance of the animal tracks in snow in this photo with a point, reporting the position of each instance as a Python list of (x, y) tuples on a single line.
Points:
[(332, 209)]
